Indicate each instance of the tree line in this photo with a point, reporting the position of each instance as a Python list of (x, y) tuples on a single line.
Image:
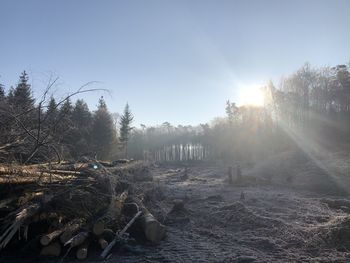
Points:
[(47, 129), (315, 101), (311, 103)]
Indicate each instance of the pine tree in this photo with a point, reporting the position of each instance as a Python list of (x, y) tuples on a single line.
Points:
[(20, 99), (125, 128), (2, 92), (51, 115), (10, 95), (65, 117), (65, 114), (52, 108), (21, 102), (81, 134), (64, 128), (103, 131), (81, 115)]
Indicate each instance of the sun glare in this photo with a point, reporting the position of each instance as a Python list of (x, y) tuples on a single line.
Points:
[(251, 95)]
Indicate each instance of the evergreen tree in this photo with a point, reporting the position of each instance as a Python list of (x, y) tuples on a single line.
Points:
[(125, 128), (20, 99), (10, 95), (64, 128), (51, 115), (82, 121), (103, 132), (2, 92), (65, 114), (81, 115), (52, 108)]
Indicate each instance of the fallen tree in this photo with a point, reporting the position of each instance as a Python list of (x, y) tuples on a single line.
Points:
[(73, 211)]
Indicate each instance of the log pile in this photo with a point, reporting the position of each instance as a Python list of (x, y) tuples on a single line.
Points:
[(66, 209)]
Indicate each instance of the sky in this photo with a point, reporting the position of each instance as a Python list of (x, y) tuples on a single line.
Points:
[(175, 61)]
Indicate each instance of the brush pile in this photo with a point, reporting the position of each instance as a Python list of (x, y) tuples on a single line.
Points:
[(73, 208)]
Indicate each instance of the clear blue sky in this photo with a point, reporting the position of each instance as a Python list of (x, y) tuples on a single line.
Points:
[(176, 61)]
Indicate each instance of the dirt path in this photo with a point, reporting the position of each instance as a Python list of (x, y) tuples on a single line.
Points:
[(271, 224)]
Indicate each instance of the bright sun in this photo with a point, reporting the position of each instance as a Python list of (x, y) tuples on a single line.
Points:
[(251, 95)]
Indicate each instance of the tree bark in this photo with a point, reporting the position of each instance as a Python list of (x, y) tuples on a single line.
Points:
[(48, 238), (153, 229), (77, 240), (71, 228)]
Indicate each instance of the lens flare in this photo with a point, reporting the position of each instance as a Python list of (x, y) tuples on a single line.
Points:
[(251, 95)]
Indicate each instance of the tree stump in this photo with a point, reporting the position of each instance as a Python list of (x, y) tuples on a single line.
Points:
[(230, 169)]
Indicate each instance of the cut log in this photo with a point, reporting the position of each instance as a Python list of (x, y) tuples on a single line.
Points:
[(82, 251), (57, 223), (98, 227), (153, 229), (70, 229), (77, 240), (62, 172), (106, 251), (53, 250), (119, 203), (22, 215), (103, 243), (48, 238), (36, 173)]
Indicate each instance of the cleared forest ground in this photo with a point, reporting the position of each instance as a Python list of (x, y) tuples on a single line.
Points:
[(272, 224), (282, 211)]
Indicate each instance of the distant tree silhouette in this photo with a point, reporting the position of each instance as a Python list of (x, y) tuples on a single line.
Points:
[(82, 125), (103, 131), (125, 128), (2, 92), (231, 111), (20, 99), (52, 114)]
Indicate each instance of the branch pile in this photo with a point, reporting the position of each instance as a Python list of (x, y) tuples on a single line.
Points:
[(67, 209)]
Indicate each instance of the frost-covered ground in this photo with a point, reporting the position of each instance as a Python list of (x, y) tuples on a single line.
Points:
[(293, 210), (279, 220)]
